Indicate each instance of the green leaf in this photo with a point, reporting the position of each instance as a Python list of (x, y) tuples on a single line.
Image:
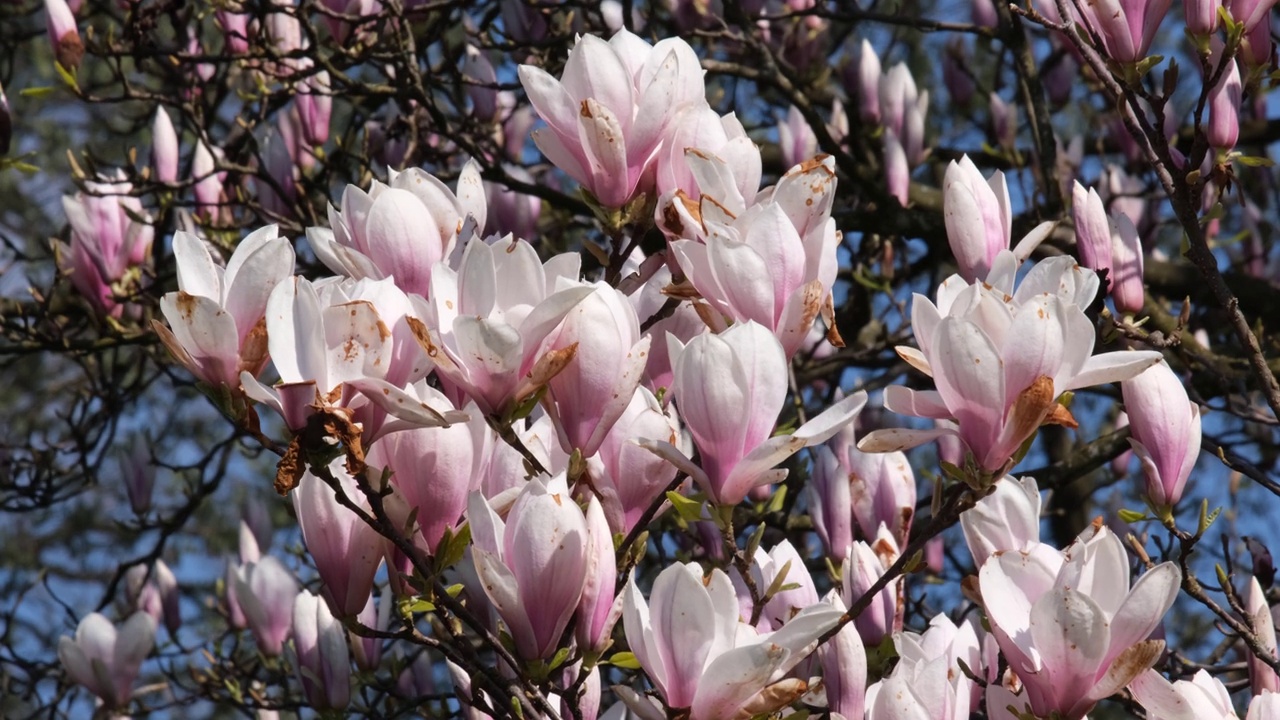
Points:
[(558, 659), (37, 92), (624, 660), (1254, 161), (776, 500), (1132, 516), (688, 509), (67, 77), (421, 605)]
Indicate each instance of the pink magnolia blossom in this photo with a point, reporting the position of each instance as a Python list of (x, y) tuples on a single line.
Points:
[(1224, 101), (796, 139), (400, 230), (844, 668), (481, 80), (485, 322), (597, 610), (1007, 520), (902, 110), (532, 566), (320, 642), (785, 567), (347, 551), (1069, 624), (367, 651), (850, 486), (1111, 244), (608, 114), (627, 477), (265, 590), (979, 219), (1203, 697), (63, 35), (862, 82), (216, 319), (344, 345), (235, 30), (919, 689), (769, 259), (106, 660), (1165, 429), (954, 644), (164, 147), (698, 131), (314, 102), (609, 357), (691, 644), (1126, 27), (109, 249), (865, 563), (985, 341), (1262, 677), (1201, 16), (740, 373), (209, 181), (434, 469)]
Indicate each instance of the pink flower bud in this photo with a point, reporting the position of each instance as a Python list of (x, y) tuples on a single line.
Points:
[(235, 31), (596, 610), (480, 78), (1201, 16), (1127, 27), (65, 38), (164, 147), (265, 592), (863, 567), (346, 550), (862, 82), (315, 105), (1224, 102), (320, 642), (139, 475), (105, 660), (1166, 431), (897, 171)]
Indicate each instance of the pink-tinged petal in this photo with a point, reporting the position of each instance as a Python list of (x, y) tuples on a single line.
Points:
[(208, 335), (603, 135), (359, 343), (832, 420), (401, 239), (1113, 367), (1032, 240), (673, 455), (442, 205), (743, 277), (1145, 606), (733, 678), (1034, 344), (1011, 583), (1126, 266), (920, 403), (1006, 520), (297, 350), (1070, 632), (502, 589), (340, 258), (595, 72), (645, 707), (658, 105), (252, 274), (755, 349), (704, 404), (406, 406), (695, 262), (969, 374), (716, 178), (197, 273), (472, 201), (1160, 698), (898, 439), (569, 158), (684, 623), (476, 281), (550, 99), (999, 701)]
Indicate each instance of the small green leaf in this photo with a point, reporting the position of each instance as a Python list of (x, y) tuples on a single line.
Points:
[(37, 92), (558, 659), (776, 500), (688, 509), (1132, 516), (624, 660)]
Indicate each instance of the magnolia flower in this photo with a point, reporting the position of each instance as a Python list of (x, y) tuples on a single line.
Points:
[(1165, 429), (689, 641), (216, 319), (402, 229), (781, 567), (1126, 27), (347, 551), (952, 644), (770, 259), (485, 323), (902, 110), (919, 688), (979, 219), (264, 591), (532, 566), (138, 473), (627, 477), (1069, 624), (740, 373), (868, 488), (699, 131), (105, 660), (1264, 707), (609, 357), (321, 645), (109, 248), (164, 147), (63, 35), (512, 212), (608, 114), (1000, 357), (1202, 698), (1224, 101), (1262, 677), (1006, 520), (1111, 244), (864, 565)]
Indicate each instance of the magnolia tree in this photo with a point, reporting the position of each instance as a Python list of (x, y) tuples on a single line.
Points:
[(686, 360)]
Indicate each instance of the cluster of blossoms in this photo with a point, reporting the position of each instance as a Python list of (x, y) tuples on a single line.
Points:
[(460, 409)]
